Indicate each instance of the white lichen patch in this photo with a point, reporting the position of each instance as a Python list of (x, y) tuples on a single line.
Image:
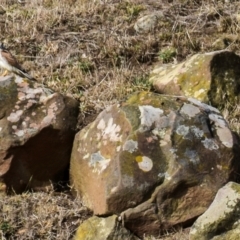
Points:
[(149, 116), (159, 132), (218, 120), (15, 116), (86, 156), (210, 144), (110, 130), (144, 163), (168, 176), (24, 124), (98, 162), (197, 132), (127, 181), (189, 110), (182, 130), (52, 110), (114, 189), (85, 135), (203, 106), (161, 175), (192, 155), (130, 146), (19, 133), (118, 148), (224, 206), (27, 119), (30, 95)]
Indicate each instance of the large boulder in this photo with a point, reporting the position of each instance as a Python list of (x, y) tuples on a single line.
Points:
[(156, 160), (37, 128), (210, 77), (221, 220)]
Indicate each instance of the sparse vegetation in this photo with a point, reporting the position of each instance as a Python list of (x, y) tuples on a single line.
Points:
[(40, 216), (167, 55), (90, 51)]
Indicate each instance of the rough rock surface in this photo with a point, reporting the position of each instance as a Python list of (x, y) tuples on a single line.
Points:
[(160, 158), (103, 229), (146, 23), (221, 220), (36, 134), (211, 77)]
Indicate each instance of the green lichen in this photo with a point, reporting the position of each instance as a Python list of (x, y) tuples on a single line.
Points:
[(191, 83), (236, 187), (154, 99)]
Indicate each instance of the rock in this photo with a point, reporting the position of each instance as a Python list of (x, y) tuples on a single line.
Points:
[(36, 134), (158, 160), (146, 23), (221, 220), (103, 229), (211, 77)]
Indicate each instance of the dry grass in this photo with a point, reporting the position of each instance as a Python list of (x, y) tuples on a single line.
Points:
[(174, 234), (40, 216), (90, 51)]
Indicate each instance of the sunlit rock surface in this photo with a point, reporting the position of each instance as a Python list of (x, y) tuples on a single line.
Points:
[(157, 160), (221, 220), (210, 77), (103, 229), (37, 128)]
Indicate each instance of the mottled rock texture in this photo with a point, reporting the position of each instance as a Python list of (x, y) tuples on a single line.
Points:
[(36, 135), (157, 160), (103, 229), (221, 220), (210, 77)]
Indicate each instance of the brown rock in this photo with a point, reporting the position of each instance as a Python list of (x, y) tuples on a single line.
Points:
[(159, 158), (211, 77), (36, 134)]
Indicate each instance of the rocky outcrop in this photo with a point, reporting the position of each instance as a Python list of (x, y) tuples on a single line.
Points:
[(211, 77), (37, 128), (221, 220), (103, 229), (156, 160)]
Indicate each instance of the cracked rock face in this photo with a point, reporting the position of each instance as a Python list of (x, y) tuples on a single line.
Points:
[(36, 134), (156, 160)]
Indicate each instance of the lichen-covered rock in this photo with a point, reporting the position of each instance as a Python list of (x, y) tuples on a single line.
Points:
[(36, 134), (146, 23), (103, 229), (160, 158), (221, 220), (211, 77)]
